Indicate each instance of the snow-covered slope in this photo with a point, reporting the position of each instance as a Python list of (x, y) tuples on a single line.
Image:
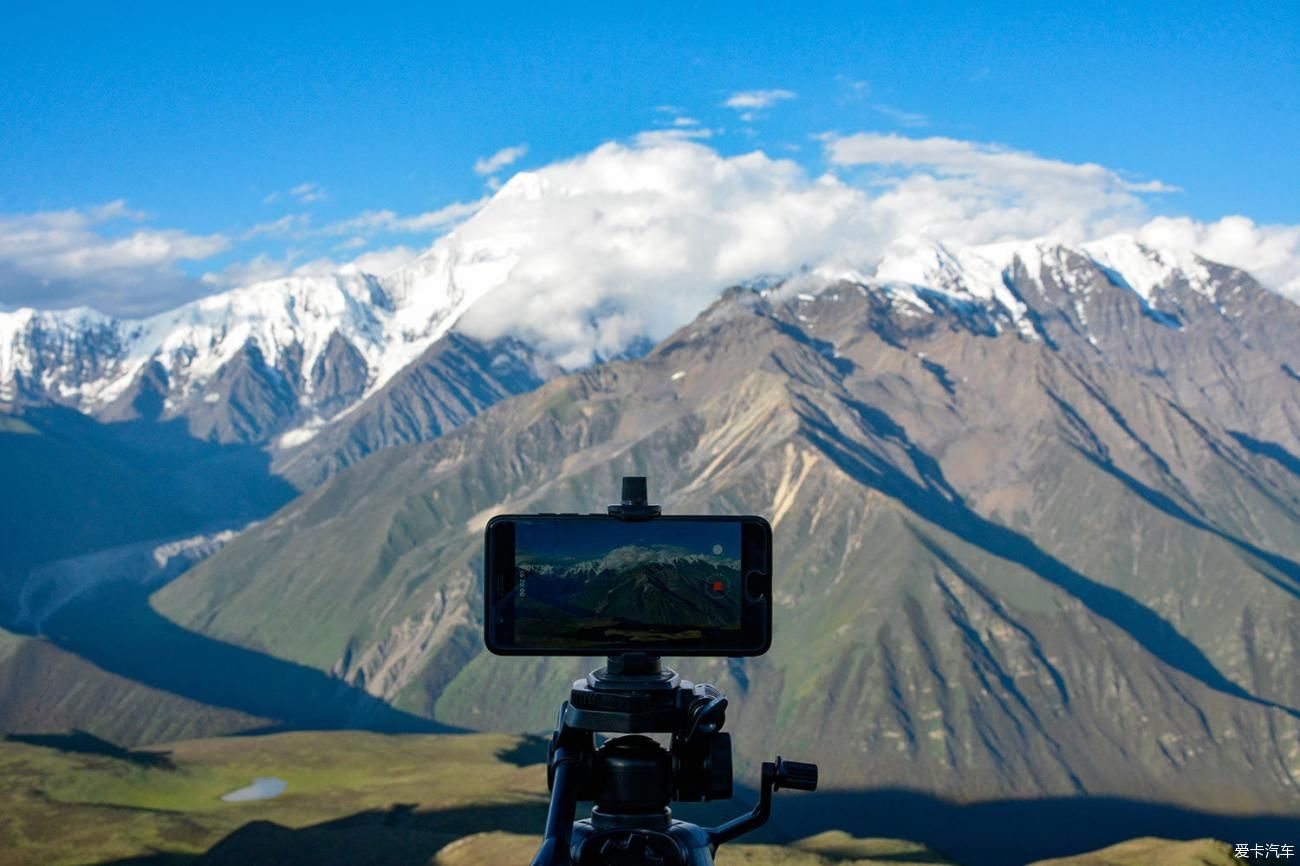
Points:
[(922, 272), (310, 348), (90, 359), (298, 326)]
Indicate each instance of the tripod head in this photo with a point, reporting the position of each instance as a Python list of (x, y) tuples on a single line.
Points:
[(632, 779)]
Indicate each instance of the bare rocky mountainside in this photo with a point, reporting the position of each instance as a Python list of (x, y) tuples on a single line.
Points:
[(1036, 512), (1036, 534)]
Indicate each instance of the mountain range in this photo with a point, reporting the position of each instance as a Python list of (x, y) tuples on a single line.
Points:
[(276, 362), (633, 588), (1036, 508)]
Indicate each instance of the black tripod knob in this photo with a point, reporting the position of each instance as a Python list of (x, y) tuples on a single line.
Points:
[(796, 775), (637, 849)]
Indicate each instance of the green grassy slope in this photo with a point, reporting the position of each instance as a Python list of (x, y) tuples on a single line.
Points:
[(1153, 852), (352, 798), (357, 799), (58, 807)]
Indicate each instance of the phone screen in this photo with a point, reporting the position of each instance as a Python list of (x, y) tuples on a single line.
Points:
[(606, 585)]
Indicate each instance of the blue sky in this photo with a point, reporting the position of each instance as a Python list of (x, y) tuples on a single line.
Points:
[(204, 122)]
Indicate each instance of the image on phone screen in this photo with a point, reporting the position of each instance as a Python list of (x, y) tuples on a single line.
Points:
[(586, 583)]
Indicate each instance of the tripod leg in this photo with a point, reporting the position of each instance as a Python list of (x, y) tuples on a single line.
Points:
[(559, 818)]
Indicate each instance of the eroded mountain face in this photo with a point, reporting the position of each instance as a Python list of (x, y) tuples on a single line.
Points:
[(455, 379), (1036, 522)]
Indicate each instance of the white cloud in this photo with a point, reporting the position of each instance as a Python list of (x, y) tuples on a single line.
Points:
[(357, 232), (265, 267), (747, 99), (909, 119), (82, 256), (856, 88), (242, 273), (365, 225), (385, 261), (285, 226), (652, 137), (439, 218), (371, 222), (499, 160), (1271, 253), (103, 213), (685, 121), (954, 157), (77, 257), (308, 192), (636, 240), (971, 192)]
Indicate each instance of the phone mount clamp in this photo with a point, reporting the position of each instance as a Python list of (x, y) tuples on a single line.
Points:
[(631, 779)]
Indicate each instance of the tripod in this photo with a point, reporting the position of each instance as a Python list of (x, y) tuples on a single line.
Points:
[(632, 779)]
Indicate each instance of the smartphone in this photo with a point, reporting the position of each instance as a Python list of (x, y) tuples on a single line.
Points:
[(573, 584)]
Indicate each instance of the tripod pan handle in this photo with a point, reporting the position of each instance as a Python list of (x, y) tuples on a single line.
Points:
[(795, 775)]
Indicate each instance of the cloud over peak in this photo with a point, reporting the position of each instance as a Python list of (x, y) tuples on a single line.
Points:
[(632, 239)]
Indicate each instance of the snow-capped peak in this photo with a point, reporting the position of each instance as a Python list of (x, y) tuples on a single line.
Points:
[(89, 359), (913, 267), (963, 275), (1145, 269)]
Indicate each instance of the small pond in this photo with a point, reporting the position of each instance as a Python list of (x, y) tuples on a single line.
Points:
[(263, 788)]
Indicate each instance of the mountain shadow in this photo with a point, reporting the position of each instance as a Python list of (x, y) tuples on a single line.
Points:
[(85, 743), (116, 629), (1155, 498), (992, 833), (1162, 502), (1002, 832), (397, 836), (532, 749), (1271, 450), (75, 485), (934, 499)]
